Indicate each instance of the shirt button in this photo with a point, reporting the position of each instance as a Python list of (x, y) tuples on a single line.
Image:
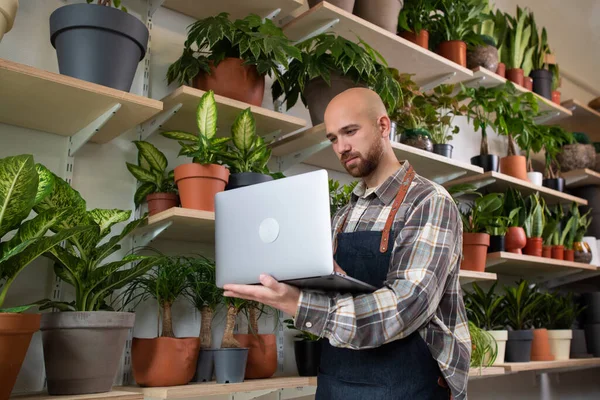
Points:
[(309, 324)]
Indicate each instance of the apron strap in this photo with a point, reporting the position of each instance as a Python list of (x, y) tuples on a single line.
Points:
[(385, 235)]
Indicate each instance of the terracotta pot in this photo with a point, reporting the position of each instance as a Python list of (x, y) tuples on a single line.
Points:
[(501, 70), (475, 251), (515, 240), (15, 335), (558, 252), (198, 184), (556, 96), (533, 247), (234, 80), (158, 202), (454, 50), (164, 361), (547, 251), (528, 83), (383, 13), (515, 75), (420, 39), (346, 5), (262, 355), (515, 166), (540, 347), (569, 255)]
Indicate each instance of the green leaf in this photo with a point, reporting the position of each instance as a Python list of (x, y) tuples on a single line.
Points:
[(64, 196), (45, 183), (35, 228), (155, 157), (142, 191), (18, 189), (178, 135), (107, 218), (141, 174), (206, 115), (244, 131)]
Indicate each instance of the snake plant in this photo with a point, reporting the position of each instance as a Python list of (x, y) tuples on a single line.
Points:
[(534, 221), (518, 53)]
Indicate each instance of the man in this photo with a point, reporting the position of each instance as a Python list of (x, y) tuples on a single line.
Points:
[(402, 233)]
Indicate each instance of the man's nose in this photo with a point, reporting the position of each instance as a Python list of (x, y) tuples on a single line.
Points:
[(343, 146)]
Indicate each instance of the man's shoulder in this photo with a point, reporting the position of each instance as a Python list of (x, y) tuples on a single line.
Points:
[(423, 190)]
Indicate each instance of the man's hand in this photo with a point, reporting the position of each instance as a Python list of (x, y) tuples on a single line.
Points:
[(337, 268), (272, 293)]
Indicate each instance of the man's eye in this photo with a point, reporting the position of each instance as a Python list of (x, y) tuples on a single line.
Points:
[(332, 140), (351, 132)]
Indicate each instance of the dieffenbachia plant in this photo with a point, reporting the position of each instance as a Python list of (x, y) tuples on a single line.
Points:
[(248, 152)]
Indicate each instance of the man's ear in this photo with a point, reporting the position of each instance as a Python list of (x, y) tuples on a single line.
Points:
[(384, 125)]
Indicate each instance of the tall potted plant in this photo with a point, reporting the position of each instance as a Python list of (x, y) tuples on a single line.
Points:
[(447, 107), (555, 71), (500, 35), (205, 176), (484, 54), (416, 20), (329, 65), (553, 142), (517, 55), (23, 184), (572, 225), (563, 311), (307, 351), (83, 327), (231, 358), (534, 225), (541, 75), (552, 224), (157, 185), (88, 37), (583, 252), (535, 145), (559, 236), (231, 58), (516, 239), (484, 350), (262, 348), (165, 283)]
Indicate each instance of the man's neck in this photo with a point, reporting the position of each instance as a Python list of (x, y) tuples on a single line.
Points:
[(386, 168)]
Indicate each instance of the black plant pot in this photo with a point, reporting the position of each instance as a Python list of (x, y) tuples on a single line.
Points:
[(579, 345), (443, 150), (98, 44), (308, 357), (488, 162), (542, 82), (496, 244), (246, 179), (206, 366), (556, 184), (518, 347)]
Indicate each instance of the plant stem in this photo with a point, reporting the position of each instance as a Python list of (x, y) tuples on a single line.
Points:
[(529, 165), (512, 147), (252, 321), (229, 341), (206, 316), (484, 150), (167, 321)]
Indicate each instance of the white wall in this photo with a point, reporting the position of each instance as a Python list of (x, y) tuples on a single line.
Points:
[(101, 177)]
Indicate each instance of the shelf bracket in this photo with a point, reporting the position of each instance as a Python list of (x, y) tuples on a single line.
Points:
[(288, 161), (450, 177), (148, 128), (252, 395), (547, 118), (273, 136), (147, 235), (318, 31), (294, 393), (272, 14), (154, 5), (475, 82), (437, 82)]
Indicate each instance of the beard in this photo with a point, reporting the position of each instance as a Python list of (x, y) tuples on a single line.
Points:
[(365, 164)]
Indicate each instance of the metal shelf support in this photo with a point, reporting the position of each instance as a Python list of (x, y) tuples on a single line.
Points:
[(547, 118), (288, 161), (148, 128), (272, 14), (437, 82), (143, 238), (318, 31)]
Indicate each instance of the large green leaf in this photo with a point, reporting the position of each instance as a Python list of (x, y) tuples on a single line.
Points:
[(18, 188), (141, 174), (107, 218), (105, 250), (64, 196), (156, 159), (35, 228), (244, 131), (178, 135), (45, 182), (142, 191), (206, 115)]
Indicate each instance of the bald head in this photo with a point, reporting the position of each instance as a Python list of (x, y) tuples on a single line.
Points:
[(361, 102)]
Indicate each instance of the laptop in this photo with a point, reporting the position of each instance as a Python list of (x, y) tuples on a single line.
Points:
[(281, 228)]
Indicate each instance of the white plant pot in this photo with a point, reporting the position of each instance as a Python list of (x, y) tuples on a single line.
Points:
[(501, 338), (593, 243), (535, 178), (8, 12), (560, 343)]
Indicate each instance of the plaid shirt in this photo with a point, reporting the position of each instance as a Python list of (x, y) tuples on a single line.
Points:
[(422, 291)]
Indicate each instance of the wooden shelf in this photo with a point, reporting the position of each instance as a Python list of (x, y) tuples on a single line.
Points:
[(550, 365), (581, 177), (59, 104), (398, 52), (536, 268), (491, 79), (475, 373), (236, 8), (267, 121), (114, 395), (430, 165), (497, 182), (584, 119), (185, 225), (467, 277)]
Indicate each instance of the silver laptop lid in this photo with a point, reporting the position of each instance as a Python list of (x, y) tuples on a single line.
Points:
[(281, 228)]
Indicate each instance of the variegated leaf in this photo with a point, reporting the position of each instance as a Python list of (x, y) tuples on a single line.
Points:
[(155, 157), (36, 227), (142, 191), (107, 218), (141, 174), (18, 187), (177, 135), (45, 183), (206, 115), (244, 131), (64, 196)]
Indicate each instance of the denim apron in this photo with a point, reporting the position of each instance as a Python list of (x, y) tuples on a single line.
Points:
[(400, 370)]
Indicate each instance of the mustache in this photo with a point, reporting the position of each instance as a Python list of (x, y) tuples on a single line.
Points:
[(347, 156)]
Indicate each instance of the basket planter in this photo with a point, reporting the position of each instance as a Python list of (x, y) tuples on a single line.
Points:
[(576, 156), (485, 56)]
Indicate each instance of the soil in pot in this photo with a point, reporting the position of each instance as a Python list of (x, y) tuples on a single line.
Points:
[(485, 56), (515, 240), (159, 202), (318, 94), (243, 179), (501, 70), (89, 37), (576, 156), (488, 162), (582, 252), (556, 97), (560, 343), (579, 345), (233, 80), (518, 346), (475, 247), (383, 13), (555, 184), (308, 357), (262, 355), (454, 50), (198, 184), (420, 39), (230, 365), (443, 150), (346, 5), (547, 251), (164, 361), (205, 368), (515, 166), (16, 331), (540, 347), (528, 83), (94, 342), (569, 255), (533, 247), (542, 82), (496, 244), (558, 252), (515, 75), (419, 138)]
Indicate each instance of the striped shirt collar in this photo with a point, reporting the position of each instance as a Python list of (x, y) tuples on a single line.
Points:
[(387, 191)]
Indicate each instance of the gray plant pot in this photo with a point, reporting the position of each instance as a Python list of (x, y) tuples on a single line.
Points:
[(98, 44), (206, 366), (579, 345), (592, 338), (243, 179), (518, 347), (230, 365), (318, 94), (383, 13), (82, 350)]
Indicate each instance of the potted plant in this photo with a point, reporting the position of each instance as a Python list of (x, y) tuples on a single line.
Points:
[(454, 28), (541, 75), (552, 224), (307, 351), (447, 107), (534, 145), (515, 239), (497, 231), (572, 225), (553, 142), (23, 184), (521, 302), (484, 54), (500, 35), (416, 20), (205, 176), (583, 252), (232, 58), (486, 310), (87, 324), (164, 283), (534, 225), (540, 346), (346, 5), (329, 65), (248, 154), (484, 349), (109, 31), (231, 358), (559, 235), (517, 56), (383, 13), (339, 196), (555, 71), (157, 185), (8, 12), (577, 155), (563, 311)]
